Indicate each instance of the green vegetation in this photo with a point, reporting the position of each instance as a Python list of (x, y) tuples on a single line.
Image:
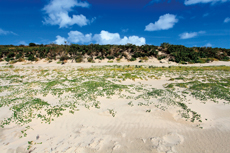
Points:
[(177, 53), (181, 54), (24, 90), (112, 112)]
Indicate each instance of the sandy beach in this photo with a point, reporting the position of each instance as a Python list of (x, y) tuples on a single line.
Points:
[(115, 76), (114, 107)]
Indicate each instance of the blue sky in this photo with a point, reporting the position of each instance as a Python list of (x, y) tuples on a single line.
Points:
[(185, 22)]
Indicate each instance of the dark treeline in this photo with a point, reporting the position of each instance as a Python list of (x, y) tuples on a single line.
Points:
[(75, 52)]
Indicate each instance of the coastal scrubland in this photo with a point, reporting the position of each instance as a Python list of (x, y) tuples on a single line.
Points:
[(91, 53)]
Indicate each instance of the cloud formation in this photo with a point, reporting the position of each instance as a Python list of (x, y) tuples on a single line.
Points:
[(226, 20), (114, 38), (4, 32), (58, 13), (78, 37), (187, 35), (208, 45), (22, 43), (103, 38), (60, 40), (192, 2), (165, 22)]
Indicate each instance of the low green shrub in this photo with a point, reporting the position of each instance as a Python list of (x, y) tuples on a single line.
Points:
[(133, 59), (90, 59), (63, 58), (161, 57), (79, 59), (110, 57)]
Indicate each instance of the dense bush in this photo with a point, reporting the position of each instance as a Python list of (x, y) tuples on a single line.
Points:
[(165, 45), (110, 57), (31, 58), (133, 59), (10, 55), (99, 57), (161, 57), (183, 54), (90, 59), (32, 44), (78, 59), (177, 53), (63, 58), (136, 55), (19, 55), (7, 59), (153, 53)]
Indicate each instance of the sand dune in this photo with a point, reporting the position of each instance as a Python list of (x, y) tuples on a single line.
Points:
[(119, 125), (153, 61)]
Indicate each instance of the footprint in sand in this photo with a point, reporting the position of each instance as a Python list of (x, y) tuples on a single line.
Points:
[(167, 143), (172, 139)]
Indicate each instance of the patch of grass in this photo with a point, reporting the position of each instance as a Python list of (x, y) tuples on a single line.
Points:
[(23, 112), (130, 104), (96, 104), (182, 85), (182, 105), (112, 112), (118, 59), (169, 85), (185, 114), (144, 58)]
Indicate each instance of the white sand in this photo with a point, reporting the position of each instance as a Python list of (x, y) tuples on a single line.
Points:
[(150, 62), (131, 130)]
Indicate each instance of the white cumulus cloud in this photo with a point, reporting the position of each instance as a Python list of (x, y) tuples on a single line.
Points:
[(165, 22), (4, 32), (78, 37), (192, 2), (58, 13), (114, 38), (226, 20), (60, 40), (187, 35), (208, 45), (103, 38)]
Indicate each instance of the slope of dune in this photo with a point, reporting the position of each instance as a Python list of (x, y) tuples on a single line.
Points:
[(118, 109)]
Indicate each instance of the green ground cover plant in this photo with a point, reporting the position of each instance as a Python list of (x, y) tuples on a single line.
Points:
[(24, 90)]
